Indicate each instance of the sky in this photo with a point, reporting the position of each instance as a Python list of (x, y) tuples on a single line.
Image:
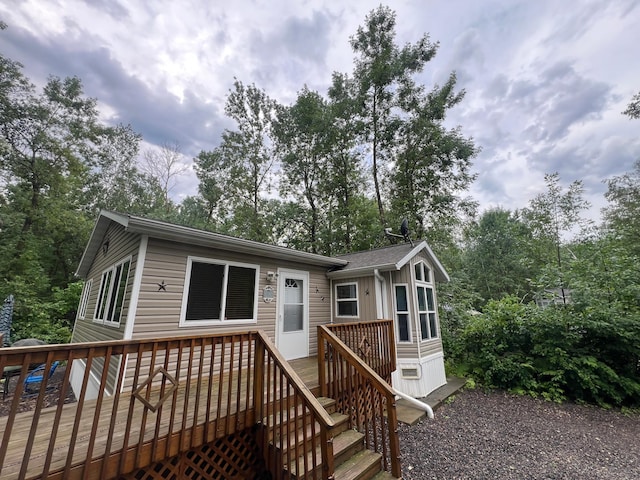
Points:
[(546, 80)]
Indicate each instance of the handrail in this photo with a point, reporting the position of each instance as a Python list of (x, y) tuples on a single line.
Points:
[(163, 397), (318, 412), (347, 379)]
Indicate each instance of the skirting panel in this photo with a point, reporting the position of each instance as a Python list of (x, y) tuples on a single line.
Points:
[(236, 456), (419, 377)]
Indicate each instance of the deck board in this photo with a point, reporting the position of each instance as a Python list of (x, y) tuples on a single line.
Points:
[(220, 423)]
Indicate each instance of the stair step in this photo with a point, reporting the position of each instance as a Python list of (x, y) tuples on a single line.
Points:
[(384, 476), (294, 418), (329, 404), (339, 419), (345, 446), (362, 466)]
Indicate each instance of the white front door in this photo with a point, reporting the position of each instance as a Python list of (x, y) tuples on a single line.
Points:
[(293, 313)]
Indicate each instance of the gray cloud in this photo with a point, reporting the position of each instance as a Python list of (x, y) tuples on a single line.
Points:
[(467, 56), (566, 99), (293, 52), (113, 8), (157, 114)]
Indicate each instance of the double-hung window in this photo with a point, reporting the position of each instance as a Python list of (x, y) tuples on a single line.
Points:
[(217, 291), (84, 300), (347, 300), (113, 287), (402, 313), (426, 303)]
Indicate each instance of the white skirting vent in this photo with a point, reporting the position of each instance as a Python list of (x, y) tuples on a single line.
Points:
[(410, 373), (417, 377)]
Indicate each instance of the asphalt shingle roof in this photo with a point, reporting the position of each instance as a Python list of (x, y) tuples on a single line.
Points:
[(378, 257)]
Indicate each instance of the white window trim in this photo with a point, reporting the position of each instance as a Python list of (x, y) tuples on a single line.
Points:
[(427, 311), (408, 312), (425, 268), (357, 300), (84, 299), (116, 322), (223, 300)]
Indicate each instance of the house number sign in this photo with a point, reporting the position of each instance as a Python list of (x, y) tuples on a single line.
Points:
[(267, 294)]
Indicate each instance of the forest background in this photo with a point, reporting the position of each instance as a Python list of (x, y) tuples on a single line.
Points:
[(327, 174)]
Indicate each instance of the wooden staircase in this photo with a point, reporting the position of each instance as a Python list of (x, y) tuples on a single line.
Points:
[(352, 461)]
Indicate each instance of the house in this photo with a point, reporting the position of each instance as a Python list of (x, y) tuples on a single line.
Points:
[(150, 279)]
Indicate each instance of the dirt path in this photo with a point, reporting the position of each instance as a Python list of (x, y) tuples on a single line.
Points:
[(493, 435)]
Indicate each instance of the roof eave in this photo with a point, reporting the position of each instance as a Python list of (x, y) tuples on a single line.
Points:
[(95, 239), (361, 272), (441, 274), (178, 233)]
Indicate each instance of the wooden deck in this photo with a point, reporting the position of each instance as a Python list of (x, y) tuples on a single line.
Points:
[(175, 396), (75, 433)]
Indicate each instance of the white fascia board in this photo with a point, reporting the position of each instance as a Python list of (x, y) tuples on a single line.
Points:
[(441, 273)]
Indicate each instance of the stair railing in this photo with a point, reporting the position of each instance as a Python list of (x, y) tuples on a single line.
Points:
[(290, 418), (362, 394)]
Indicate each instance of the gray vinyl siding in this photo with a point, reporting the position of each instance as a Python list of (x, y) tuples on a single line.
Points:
[(158, 312), (121, 246), (366, 301), (319, 303)]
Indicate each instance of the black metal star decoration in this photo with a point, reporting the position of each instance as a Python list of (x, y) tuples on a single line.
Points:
[(162, 286)]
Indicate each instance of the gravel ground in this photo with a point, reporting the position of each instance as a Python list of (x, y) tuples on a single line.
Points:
[(494, 435)]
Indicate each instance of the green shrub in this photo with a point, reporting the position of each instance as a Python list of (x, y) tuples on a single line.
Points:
[(558, 353)]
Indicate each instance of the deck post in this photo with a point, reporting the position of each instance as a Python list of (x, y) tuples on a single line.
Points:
[(392, 418), (258, 381), (321, 365)]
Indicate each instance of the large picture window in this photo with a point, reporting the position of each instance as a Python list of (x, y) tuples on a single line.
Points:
[(218, 291), (347, 300), (113, 287), (402, 313)]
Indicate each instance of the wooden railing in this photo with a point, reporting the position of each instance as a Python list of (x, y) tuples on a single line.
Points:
[(140, 402), (359, 391), (373, 342), (291, 419)]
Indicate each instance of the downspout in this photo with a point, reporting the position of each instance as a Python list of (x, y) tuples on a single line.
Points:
[(380, 300), (415, 403), (376, 272)]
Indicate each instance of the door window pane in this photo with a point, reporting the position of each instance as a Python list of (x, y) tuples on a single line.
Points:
[(293, 318)]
